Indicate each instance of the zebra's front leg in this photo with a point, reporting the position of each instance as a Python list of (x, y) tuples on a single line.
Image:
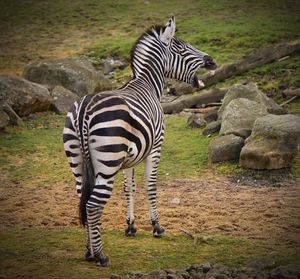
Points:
[(94, 209), (129, 190), (151, 165)]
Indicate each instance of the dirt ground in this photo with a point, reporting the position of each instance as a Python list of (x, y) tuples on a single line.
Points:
[(210, 204)]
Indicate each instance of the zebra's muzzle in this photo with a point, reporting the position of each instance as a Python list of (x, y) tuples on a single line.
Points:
[(209, 63)]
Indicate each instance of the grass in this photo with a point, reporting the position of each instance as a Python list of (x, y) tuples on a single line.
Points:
[(38, 150), (227, 30), (59, 253)]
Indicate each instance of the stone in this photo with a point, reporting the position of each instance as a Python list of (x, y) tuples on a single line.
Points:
[(157, 274), (8, 116), (206, 267), (63, 99), (185, 274), (239, 115), (252, 93), (225, 148), (111, 63), (212, 127), (196, 121), (177, 88), (4, 119), (284, 273), (76, 74), (23, 96), (273, 144), (174, 275), (174, 202), (261, 263), (211, 116)]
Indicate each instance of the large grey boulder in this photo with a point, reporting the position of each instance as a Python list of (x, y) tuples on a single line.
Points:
[(22, 96), (76, 74), (225, 148), (63, 99), (252, 93), (273, 144), (239, 115)]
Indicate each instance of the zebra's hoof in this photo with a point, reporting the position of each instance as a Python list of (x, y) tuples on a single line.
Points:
[(102, 261), (130, 231), (88, 256), (158, 231)]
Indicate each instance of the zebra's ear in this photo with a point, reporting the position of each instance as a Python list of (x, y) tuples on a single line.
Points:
[(169, 31)]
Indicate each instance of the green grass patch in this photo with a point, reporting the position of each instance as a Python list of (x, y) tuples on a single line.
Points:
[(34, 154), (58, 253)]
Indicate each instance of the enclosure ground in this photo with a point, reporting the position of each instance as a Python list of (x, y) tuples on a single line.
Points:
[(210, 204)]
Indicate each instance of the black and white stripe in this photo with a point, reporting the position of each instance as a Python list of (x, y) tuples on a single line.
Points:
[(118, 129)]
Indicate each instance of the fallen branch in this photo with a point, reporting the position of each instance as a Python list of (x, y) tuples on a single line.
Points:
[(211, 96), (259, 58), (288, 101), (291, 93), (201, 110), (251, 61)]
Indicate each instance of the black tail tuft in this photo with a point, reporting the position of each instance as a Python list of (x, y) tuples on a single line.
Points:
[(88, 180)]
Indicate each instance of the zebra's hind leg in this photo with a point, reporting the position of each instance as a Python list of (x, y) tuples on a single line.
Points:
[(94, 209), (88, 254), (129, 190), (151, 165)]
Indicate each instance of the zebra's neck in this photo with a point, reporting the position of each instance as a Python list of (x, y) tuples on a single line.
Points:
[(148, 61)]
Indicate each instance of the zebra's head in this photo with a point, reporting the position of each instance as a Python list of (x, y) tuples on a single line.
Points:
[(183, 60)]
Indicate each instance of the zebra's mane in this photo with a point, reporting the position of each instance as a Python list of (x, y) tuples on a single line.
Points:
[(152, 31)]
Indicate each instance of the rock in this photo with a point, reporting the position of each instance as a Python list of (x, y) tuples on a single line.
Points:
[(111, 63), (217, 271), (157, 274), (175, 202), (185, 274), (8, 116), (24, 97), (239, 115), (273, 144), (174, 275), (76, 74), (114, 276), (252, 93), (260, 263), (225, 148), (284, 273), (177, 88), (196, 121), (206, 267), (211, 116), (212, 127), (63, 99), (196, 275), (4, 119)]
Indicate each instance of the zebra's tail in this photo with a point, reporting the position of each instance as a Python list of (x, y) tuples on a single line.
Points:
[(87, 186)]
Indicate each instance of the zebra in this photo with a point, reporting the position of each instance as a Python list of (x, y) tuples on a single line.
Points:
[(116, 130)]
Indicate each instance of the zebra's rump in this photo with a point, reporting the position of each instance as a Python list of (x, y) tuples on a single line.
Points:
[(111, 132)]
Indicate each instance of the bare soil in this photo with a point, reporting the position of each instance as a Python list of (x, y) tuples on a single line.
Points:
[(210, 204)]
